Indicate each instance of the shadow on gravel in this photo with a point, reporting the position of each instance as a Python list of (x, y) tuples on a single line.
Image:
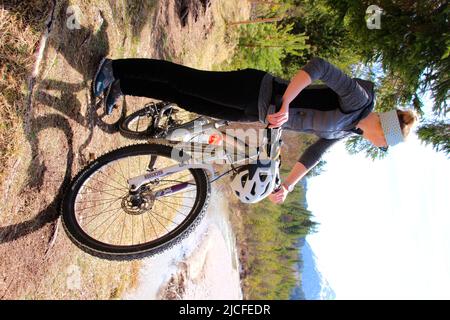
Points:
[(83, 49)]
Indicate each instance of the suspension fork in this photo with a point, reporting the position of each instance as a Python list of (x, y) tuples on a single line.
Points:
[(136, 183), (181, 187)]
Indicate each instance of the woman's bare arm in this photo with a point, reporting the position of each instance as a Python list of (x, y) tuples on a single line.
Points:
[(296, 174), (297, 84), (300, 81), (307, 161)]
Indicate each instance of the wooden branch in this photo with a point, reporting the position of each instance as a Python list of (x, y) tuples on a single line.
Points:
[(256, 2), (263, 20), (261, 46)]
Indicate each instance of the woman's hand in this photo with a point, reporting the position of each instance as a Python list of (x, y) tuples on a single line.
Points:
[(277, 119), (279, 196), (298, 83)]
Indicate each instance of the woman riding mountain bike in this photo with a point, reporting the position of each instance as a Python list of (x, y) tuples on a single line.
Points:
[(334, 111)]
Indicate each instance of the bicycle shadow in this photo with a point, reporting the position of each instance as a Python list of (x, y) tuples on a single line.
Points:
[(56, 106), (51, 212), (82, 49)]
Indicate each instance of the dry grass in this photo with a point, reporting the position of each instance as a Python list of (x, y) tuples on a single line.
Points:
[(36, 161), (204, 41), (17, 44), (80, 276)]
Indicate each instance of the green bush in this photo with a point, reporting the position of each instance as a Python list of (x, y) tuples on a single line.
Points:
[(263, 46)]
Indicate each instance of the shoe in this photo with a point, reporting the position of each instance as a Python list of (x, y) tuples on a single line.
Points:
[(112, 96), (104, 77)]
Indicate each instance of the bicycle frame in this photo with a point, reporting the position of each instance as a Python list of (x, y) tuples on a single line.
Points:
[(193, 154), (195, 160)]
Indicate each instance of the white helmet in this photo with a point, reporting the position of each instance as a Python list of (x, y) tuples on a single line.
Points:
[(255, 181)]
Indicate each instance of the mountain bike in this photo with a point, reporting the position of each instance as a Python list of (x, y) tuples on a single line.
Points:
[(142, 199)]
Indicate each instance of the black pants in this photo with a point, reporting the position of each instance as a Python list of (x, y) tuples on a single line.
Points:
[(231, 95)]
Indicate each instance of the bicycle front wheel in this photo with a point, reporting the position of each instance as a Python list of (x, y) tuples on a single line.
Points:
[(103, 218)]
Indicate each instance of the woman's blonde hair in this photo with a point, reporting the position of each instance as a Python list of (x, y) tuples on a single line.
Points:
[(407, 119)]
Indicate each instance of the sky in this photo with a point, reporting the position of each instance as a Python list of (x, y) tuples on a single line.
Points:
[(384, 228)]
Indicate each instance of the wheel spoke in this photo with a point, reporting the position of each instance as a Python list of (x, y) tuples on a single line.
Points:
[(98, 214), (109, 217), (123, 228), (143, 226), (151, 223), (139, 119), (110, 203), (172, 208), (109, 225), (103, 191), (121, 173), (107, 211), (120, 184), (132, 229), (95, 216), (107, 184), (177, 204), (96, 200)]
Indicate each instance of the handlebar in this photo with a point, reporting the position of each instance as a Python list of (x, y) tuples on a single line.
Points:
[(274, 142), (276, 189)]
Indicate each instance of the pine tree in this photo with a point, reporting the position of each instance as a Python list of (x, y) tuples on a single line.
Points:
[(437, 134), (413, 42)]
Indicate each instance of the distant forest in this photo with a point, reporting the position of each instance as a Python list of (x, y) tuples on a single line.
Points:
[(272, 236)]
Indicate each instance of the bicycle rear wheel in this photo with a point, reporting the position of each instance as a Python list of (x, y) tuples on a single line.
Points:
[(139, 124), (103, 218)]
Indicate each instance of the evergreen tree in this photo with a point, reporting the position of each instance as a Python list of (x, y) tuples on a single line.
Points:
[(413, 42), (437, 134)]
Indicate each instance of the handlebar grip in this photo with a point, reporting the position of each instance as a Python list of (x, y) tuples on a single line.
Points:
[(276, 190)]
